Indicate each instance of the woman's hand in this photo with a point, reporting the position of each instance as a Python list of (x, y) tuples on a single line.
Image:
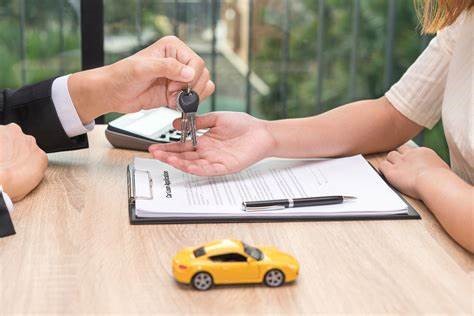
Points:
[(22, 162), (234, 141), (422, 174), (148, 79), (405, 166)]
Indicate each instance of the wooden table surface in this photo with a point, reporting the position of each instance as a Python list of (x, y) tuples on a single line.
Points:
[(75, 252)]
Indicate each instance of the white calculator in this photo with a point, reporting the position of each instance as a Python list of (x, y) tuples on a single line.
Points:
[(140, 130)]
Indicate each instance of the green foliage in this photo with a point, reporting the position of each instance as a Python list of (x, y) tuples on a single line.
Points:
[(304, 68), (293, 82), (51, 41)]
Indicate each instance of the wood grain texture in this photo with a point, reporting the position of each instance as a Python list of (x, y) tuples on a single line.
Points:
[(75, 252)]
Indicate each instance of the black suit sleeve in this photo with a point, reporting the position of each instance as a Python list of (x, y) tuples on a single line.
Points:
[(32, 108)]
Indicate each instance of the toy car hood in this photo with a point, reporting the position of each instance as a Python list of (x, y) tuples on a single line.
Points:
[(277, 256)]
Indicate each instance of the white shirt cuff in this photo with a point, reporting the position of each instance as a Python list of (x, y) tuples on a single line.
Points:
[(8, 201), (66, 110)]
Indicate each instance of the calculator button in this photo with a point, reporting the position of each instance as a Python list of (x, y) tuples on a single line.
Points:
[(162, 136), (175, 138)]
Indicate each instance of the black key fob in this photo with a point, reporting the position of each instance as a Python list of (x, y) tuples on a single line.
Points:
[(188, 101)]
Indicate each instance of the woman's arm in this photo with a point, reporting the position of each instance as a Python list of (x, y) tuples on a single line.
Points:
[(451, 200), (237, 140), (367, 126)]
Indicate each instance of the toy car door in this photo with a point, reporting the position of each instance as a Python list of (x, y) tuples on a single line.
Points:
[(233, 268)]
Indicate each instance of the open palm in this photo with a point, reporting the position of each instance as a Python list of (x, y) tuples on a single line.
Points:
[(234, 141)]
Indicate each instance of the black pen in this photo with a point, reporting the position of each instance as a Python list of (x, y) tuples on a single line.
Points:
[(274, 205)]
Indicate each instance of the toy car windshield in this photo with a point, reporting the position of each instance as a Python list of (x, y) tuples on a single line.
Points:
[(199, 252), (253, 252)]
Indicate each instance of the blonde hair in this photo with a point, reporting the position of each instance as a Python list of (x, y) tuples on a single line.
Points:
[(436, 14)]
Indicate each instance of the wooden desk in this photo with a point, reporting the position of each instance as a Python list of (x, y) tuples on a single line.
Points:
[(75, 251)]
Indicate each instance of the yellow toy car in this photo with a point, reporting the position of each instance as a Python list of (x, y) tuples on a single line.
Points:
[(232, 261)]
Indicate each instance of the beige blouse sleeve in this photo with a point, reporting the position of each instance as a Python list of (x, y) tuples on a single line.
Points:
[(418, 95)]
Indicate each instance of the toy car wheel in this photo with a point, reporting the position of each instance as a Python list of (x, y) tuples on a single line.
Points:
[(274, 278), (202, 281)]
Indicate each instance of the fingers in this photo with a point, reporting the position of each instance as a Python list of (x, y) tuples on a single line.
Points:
[(208, 90), (394, 157), (174, 87), (404, 148), (172, 159), (170, 51), (31, 141), (385, 167), (201, 82), (15, 129), (186, 55), (19, 136), (173, 47), (177, 124), (187, 161), (199, 167), (172, 147), (169, 68), (164, 156), (195, 62), (208, 120), (204, 121)]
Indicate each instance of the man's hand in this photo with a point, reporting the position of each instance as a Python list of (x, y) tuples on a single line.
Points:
[(22, 162), (148, 79), (234, 141), (405, 166)]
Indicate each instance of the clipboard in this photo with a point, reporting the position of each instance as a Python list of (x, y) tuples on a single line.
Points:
[(135, 220)]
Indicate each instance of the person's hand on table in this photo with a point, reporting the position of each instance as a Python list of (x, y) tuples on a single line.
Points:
[(22, 162), (148, 79), (405, 166), (234, 141)]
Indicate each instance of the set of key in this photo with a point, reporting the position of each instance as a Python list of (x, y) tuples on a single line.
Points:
[(188, 103)]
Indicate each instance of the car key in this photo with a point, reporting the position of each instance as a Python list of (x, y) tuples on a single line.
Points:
[(184, 127), (184, 117), (188, 103)]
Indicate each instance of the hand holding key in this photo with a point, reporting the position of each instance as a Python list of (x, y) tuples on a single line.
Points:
[(234, 141), (148, 79), (188, 103)]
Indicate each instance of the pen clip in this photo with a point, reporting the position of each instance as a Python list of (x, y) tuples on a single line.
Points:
[(263, 208)]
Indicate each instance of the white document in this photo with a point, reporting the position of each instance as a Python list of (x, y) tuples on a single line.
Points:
[(162, 191)]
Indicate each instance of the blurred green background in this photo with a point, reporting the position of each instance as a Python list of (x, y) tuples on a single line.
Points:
[(272, 58)]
